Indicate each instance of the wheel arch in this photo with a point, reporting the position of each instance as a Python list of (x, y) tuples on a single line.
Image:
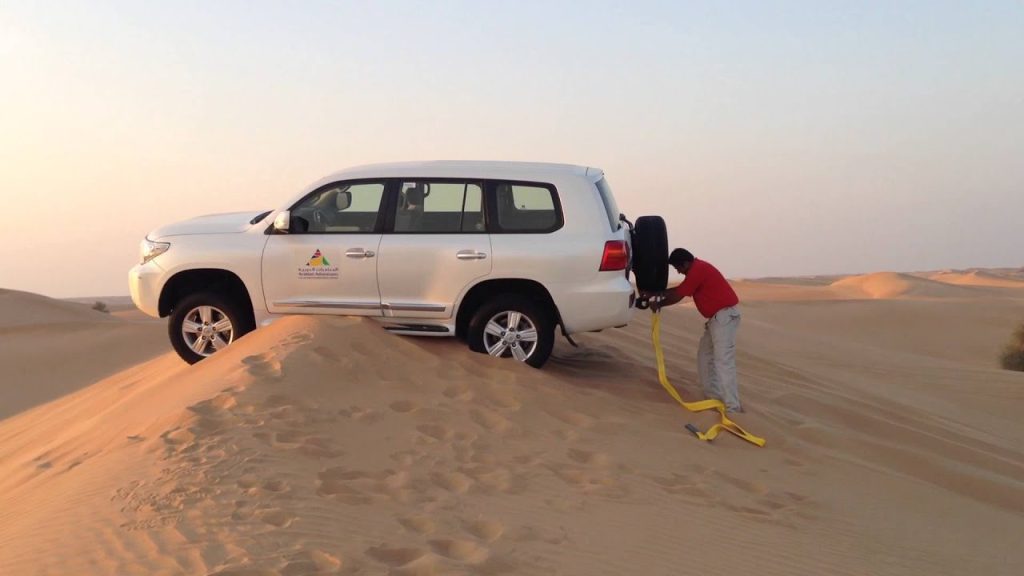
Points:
[(217, 280), (481, 291)]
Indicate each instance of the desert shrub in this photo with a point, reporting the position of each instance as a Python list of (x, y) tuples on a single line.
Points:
[(1013, 354), (101, 307)]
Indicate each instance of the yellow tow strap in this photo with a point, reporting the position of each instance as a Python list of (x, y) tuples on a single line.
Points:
[(712, 404)]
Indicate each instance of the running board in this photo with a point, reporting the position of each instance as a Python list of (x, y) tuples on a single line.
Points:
[(420, 328)]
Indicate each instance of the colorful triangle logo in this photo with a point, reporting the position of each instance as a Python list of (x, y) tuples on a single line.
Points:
[(317, 260)]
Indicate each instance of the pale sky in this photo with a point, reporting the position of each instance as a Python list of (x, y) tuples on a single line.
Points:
[(776, 138)]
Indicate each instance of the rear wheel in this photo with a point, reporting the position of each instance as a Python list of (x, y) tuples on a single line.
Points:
[(650, 253), (512, 326), (203, 324)]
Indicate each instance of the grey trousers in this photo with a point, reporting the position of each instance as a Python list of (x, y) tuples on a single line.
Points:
[(716, 358)]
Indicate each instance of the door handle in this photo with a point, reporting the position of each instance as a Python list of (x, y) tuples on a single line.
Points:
[(359, 253), (470, 255)]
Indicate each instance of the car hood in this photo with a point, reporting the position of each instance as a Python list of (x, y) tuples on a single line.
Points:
[(229, 223)]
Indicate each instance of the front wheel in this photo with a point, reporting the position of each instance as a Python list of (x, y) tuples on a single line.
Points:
[(203, 324), (511, 326)]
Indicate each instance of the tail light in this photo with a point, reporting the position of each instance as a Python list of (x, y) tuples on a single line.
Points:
[(616, 256)]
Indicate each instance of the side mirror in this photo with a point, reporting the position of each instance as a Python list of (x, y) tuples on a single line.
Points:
[(282, 223), (343, 200)]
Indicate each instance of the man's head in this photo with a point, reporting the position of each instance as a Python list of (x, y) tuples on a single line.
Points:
[(680, 259)]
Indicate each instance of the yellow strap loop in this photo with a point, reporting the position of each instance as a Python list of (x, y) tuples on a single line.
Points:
[(724, 424)]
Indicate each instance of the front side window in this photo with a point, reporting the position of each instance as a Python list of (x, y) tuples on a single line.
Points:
[(439, 207), (339, 209), (526, 208)]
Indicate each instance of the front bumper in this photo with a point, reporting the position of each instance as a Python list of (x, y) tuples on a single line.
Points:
[(144, 283)]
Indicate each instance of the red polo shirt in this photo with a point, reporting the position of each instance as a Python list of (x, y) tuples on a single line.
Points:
[(709, 289)]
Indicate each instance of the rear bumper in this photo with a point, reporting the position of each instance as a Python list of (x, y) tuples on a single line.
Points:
[(606, 303), (144, 284)]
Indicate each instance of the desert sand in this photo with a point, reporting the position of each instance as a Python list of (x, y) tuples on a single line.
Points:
[(324, 445)]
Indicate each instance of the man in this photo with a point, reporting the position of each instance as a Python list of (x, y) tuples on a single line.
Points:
[(716, 301)]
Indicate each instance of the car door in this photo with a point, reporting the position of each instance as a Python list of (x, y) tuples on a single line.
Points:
[(327, 261), (436, 245)]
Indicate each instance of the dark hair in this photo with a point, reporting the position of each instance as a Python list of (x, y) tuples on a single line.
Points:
[(680, 256)]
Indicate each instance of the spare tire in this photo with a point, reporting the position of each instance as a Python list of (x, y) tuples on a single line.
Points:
[(650, 253)]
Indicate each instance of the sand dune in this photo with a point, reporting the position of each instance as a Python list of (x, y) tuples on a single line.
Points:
[(326, 446), (978, 278), (26, 309), (49, 347), (884, 285)]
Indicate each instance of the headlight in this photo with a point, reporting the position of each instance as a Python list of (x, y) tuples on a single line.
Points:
[(150, 249)]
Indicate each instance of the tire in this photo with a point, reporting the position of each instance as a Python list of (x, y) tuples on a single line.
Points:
[(650, 253), (499, 310), (195, 346)]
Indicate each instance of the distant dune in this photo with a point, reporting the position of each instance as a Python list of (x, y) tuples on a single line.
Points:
[(894, 285), (51, 347), (978, 278), (325, 445), (27, 309)]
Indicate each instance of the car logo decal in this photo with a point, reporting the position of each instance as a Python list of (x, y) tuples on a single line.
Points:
[(318, 267)]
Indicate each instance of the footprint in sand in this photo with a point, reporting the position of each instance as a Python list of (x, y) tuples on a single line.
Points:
[(489, 420), (682, 484), (177, 436), (216, 406), (263, 366), (300, 338), (275, 486), (455, 482), (289, 437), (327, 354), (312, 562), (319, 447), (418, 524), (411, 560), (462, 550), (277, 518), (504, 399), (590, 458), (490, 477), (486, 530), (568, 435), (589, 480), (459, 392), (436, 431), (279, 401), (360, 414), (404, 406)]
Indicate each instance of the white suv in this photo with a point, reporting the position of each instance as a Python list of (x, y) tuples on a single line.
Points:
[(495, 253)]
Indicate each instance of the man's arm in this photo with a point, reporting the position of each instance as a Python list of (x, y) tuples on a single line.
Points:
[(677, 294)]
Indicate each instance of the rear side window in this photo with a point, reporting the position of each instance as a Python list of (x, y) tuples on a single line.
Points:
[(610, 207), (440, 207), (527, 207)]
